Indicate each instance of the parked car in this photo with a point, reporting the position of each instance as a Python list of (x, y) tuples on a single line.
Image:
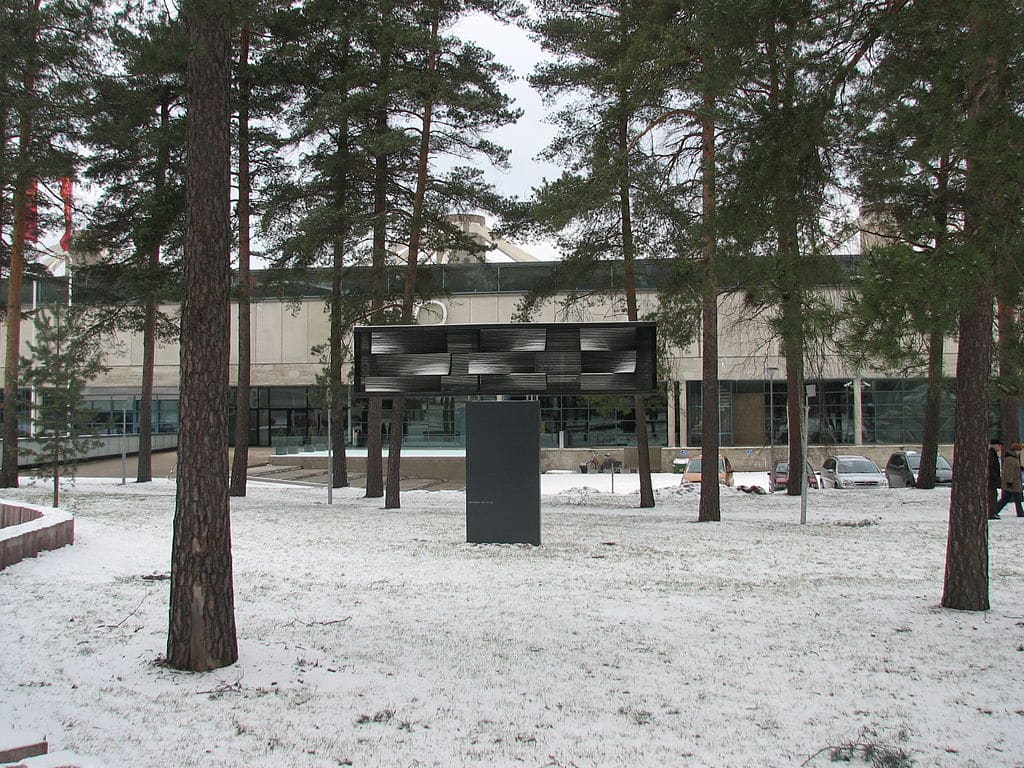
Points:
[(851, 471), (778, 478), (693, 471), (903, 466)]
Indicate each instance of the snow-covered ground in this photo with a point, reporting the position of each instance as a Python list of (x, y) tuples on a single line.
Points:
[(630, 638)]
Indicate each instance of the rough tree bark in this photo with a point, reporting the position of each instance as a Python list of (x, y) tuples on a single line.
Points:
[(240, 459), (987, 74), (144, 468), (710, 509), (643, 451), (393, 498), (201, 632), (16, 271)]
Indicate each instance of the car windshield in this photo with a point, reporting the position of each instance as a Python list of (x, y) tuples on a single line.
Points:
[(782, 466), (695, 466), (915, 462), (856, 466)]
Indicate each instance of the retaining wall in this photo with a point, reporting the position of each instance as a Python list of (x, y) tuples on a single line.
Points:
[(26, 530)]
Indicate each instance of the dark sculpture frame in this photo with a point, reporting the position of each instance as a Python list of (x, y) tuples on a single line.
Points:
[(509, 359)]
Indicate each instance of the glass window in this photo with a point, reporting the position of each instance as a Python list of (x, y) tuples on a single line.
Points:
[(287, 397), (894, 411), (695, 412)]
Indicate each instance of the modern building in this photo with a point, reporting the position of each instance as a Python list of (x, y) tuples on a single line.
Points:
[(868, 410)]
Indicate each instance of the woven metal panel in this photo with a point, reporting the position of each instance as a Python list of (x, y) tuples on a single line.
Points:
[(562, 358)]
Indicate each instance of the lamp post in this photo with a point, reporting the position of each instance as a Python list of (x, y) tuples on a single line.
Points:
[(809, 391), (330, 457)]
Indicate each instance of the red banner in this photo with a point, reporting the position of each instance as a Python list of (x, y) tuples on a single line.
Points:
[(69, 230), (32, 212)]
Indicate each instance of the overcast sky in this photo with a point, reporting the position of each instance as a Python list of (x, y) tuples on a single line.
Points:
[(530, 135)]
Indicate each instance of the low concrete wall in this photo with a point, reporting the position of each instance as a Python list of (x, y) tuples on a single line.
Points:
[(27, 530), (108, 446), (451, 469)]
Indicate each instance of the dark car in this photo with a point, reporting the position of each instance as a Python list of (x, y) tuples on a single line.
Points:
[(903, 466), (778, 478)]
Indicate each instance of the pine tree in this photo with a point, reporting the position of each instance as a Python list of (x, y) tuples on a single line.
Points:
[(136, 138), (65, 356), (320, 215), (201, 634), (48, 48), (784, 207), (457, 102), (910, 179), (984, 39), (606, 205), (260, 91), (700, 56)]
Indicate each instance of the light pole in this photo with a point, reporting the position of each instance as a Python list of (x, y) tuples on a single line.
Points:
[(809, 391), (330, 456)]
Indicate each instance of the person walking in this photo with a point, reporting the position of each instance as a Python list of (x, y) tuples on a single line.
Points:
[(1012, 489), (995, 480)]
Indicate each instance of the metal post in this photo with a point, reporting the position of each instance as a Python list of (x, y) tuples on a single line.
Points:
[(330, 460), (858, 410), (770, 372), (809, 392)]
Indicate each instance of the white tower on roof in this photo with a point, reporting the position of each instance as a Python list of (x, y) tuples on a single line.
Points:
[(495, 249)]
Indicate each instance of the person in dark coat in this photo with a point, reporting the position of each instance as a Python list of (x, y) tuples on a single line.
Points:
[(1012, 488), (995, 447)]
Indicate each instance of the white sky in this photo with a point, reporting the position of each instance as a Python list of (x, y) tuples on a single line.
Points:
[(531, 133)]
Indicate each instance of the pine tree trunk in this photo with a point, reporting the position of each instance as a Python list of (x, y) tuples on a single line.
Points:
[(144, 468), (392, 488), (643, 451), (966, 577), (240, 458), (393, 500), (932, 413), (201, 632), (4, 117), (793, 348), (336, 342), (1009, 406), (339, 458), (710, 508), (374, 458), (16, 271)]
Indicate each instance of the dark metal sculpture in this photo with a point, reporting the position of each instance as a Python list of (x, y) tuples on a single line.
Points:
[(552, 358)]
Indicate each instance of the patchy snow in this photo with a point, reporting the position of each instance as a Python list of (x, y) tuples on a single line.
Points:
[(632, 637)]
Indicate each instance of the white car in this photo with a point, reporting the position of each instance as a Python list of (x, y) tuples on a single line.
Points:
[(851, 472)]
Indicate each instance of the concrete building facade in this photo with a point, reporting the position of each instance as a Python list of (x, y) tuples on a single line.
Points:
[(868, 410)]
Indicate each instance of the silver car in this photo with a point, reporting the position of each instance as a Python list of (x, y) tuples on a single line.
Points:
[(851, 471)]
